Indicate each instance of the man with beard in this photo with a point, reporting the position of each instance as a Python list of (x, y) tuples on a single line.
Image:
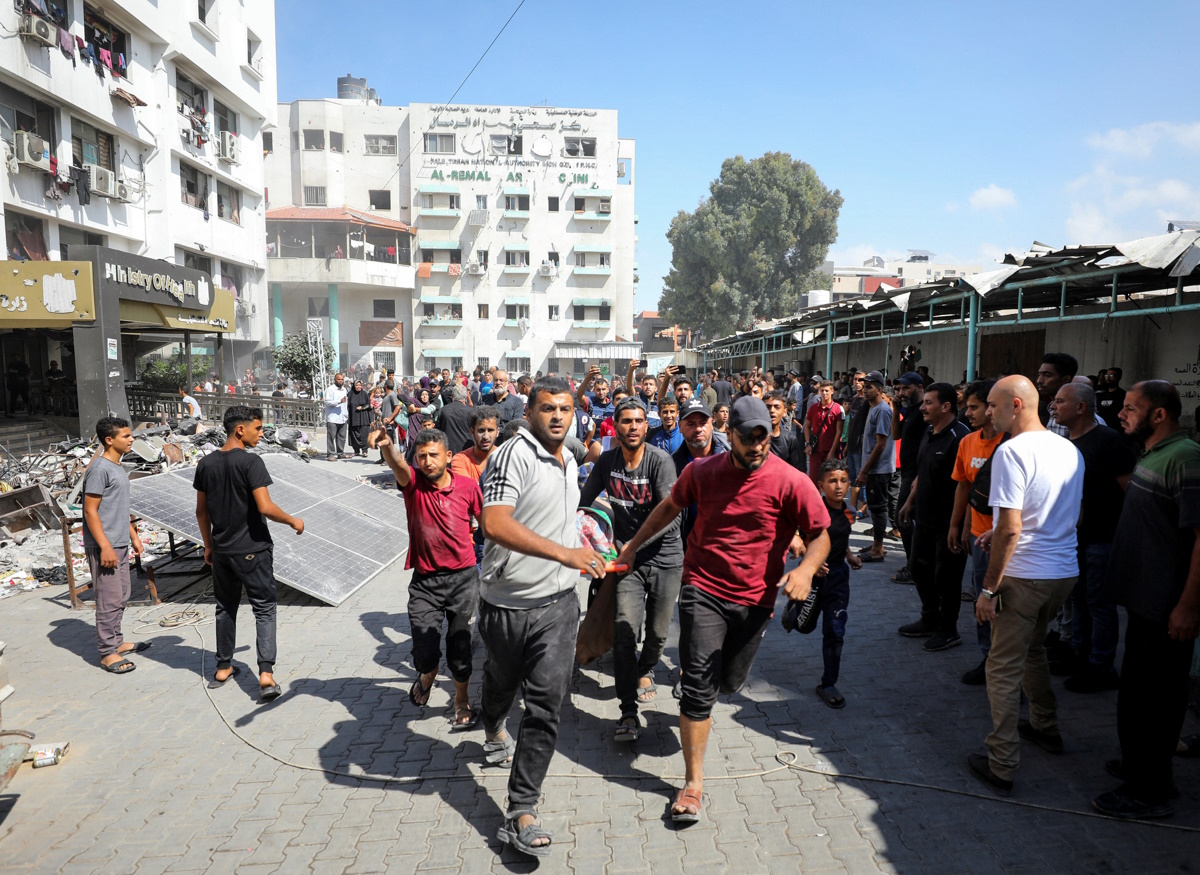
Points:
[(1154, 571), (908, 428), (529, 613), (637, 478), (508, 406), (485, 427), (751, 506), (455, 417), (1110, 397), (699, 442), (593, 397)]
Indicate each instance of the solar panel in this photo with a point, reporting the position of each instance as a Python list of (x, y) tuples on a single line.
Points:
[(351, 531)]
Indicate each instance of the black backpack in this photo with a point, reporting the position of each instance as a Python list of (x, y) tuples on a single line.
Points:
[(981, 488)]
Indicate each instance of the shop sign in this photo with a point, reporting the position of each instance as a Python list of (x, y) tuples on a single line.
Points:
[(46, 294)]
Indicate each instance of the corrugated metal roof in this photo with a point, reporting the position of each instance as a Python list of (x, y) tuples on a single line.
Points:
[(336, 214)]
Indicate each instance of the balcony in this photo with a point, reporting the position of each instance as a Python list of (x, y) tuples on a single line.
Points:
[(592, 323), (593, 271), (342, 271), (437, 213), (441, 322), (590, 216), (516, 214), (517, 268)]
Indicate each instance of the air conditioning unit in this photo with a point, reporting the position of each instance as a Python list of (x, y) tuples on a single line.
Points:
[(32, 150), (606, 206), (123, 193), (246, 308), (477, 218), (39, 30), (476, 269), (620, 171), (227, 149), (546, 270), (103, 182)]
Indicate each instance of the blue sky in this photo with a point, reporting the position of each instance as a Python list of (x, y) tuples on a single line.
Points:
[(965, 129)]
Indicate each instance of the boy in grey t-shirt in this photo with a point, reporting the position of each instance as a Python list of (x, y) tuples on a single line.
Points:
[(109, 538), (878, 471)]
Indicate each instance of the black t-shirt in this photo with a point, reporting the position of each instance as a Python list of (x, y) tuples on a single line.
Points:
[(912, 431), (18, 374), (455, 420), (839, 533), (789, 446), (858, 423), (1107, 455), (228, 480), (724, 390), (633, 494), (512, 407), (1109, 404), (935, 474)]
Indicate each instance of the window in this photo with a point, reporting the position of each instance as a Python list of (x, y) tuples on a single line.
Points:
[(314, 140), (520, 365), (381, 199), (227, 119), (581, 259), (605, 259), (516, 259), (19, 112), (427, 202), (378, 144), (253, 51), (506, 144), (68, 237), (189, 97), (439, 143), (552, 204), (206, 12), (519, 202), (198, 262), (605, 313), (232, 278), (580, 204), (482, 255), (899, 271), (383, 308), (318, 308), (385, 361), (552, 257), (268, 143), (483, 362), (427, 255), (578, 313), (99, 31), (455, 200), (553, 312), (580, 147), (456, 256), (428, 309), (483, 311), (90, 146), (335, 141), (193, 186), (314, 195), (481, 201), (229, 203), (516, 311)]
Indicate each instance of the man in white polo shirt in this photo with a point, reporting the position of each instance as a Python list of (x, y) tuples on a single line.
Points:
[(1036, 491)]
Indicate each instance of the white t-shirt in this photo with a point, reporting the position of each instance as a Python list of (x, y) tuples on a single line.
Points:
[(193, 407), (1041, 475), (336, 409)]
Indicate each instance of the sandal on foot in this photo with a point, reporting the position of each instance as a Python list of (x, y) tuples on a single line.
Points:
[(690, 802), (137, 648), (500, 753), (121, 666), (470, 723), (523, 839), (627, 729), (269, 693), (831, 697), (423, 692), (215, 683), (645, 694), (867, 557)]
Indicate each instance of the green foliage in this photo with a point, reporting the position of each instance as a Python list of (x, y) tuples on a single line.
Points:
[(750, 248), (293, 358), (168, 374)]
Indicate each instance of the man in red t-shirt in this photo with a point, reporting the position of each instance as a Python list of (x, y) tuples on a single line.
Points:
[(823, 421), (445, 581), (751, 508)]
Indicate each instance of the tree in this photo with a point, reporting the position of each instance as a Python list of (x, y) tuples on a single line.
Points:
[(168, 374), (751, 247), (293, 358)]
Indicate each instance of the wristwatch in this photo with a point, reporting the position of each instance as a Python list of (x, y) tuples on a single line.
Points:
[(988, 594)]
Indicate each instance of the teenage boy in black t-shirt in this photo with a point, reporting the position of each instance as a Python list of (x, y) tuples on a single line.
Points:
[(231, 501)]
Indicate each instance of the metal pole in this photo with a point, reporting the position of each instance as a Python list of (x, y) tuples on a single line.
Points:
[(828, 349), (972, 328), (763, 356), (221, 361), (187, 357)]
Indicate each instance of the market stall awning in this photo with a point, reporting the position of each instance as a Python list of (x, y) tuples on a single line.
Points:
[(337, 214)]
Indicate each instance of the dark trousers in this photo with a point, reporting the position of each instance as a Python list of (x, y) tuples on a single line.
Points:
[(1095, 626), (883, 492), (906, 529), (21, 391), (833, 601), (529, 651), (718, 641), (253, 572), (451, 596), (938, 575), (358, 437), (645, 594), (979, 565), (335, 438), (1151, 704)]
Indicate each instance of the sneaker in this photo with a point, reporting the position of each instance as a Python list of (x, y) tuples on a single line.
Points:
[(976, 677), (942, 642), (1093, 679), (902, 576), (1116, 769), (1050, 742), (982, 769), (1118, 803), (916, 630)]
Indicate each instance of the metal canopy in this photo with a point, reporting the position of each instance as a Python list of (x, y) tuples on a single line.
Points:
[(351, 531)]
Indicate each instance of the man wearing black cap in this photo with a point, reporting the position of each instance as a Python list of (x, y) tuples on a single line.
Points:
[(878, 471), (699, 442), (908, 428), (751, 508)]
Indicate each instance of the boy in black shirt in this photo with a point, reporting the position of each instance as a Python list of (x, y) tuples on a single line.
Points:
[(231, 501)]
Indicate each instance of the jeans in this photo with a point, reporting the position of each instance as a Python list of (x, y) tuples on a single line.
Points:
[(883, 492), (531, 651), (111, 587), (854, 461), (906, 529), (718, 641), (979, 566), (1151, 704), (335, 438), (646, 594), (445, 595), (1017, 662), (832, 602), (1096, 626), (938, 575), (253, 572)]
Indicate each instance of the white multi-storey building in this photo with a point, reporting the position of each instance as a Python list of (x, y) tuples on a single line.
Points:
[(437, 236), (135, 126)]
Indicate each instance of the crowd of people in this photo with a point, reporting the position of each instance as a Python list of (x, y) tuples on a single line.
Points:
[(1067, 496)]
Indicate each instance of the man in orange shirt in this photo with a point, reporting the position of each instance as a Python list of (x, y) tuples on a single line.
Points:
[(973, 452), (485, 425)]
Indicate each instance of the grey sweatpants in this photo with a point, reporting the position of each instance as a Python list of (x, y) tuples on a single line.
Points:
[(111, 586)]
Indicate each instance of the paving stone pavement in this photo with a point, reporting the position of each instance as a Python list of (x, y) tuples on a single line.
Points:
[(156, 782)]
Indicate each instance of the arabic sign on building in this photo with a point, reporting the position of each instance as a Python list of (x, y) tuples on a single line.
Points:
[(46, 294), (134, 278)]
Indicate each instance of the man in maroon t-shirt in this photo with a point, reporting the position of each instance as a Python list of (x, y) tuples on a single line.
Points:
[(445, 581), (822, 428), (751, 508)]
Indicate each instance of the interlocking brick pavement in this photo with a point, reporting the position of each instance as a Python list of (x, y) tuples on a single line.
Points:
[(155, 781)]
